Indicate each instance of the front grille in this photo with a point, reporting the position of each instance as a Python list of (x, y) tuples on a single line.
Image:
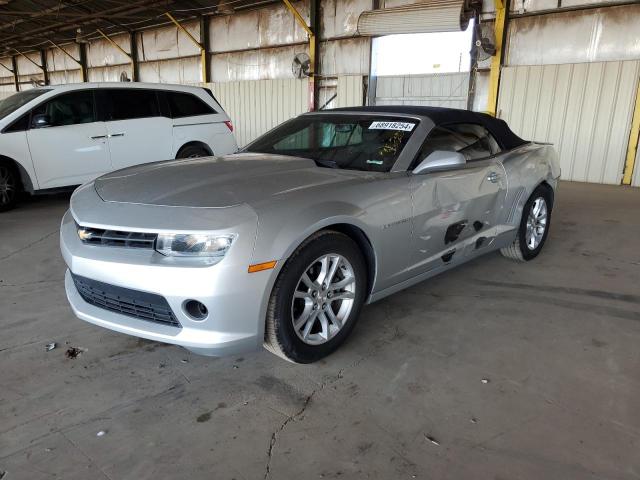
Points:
[(141, 305), (116, 238)]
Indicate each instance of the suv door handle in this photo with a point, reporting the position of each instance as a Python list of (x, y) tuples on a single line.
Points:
[(493, 177), (121, 134), (98, 137)]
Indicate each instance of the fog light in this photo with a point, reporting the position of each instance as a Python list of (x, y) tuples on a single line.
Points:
[(196, 310)]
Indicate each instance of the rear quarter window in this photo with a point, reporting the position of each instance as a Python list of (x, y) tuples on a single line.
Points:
[(187, 105)]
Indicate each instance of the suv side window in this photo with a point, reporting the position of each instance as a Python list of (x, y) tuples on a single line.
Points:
[(128, 104), (473, 141), (70, 108), (187, 105)]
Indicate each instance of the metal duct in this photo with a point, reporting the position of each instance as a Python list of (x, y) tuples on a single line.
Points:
[(431, 16)]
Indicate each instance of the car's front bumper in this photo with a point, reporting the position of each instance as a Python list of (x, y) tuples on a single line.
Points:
[(235, 299)]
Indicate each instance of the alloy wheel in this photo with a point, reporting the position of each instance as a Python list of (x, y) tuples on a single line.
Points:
[(536, 223), (323, 299)]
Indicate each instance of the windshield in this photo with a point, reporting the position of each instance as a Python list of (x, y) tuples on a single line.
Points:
[(352, 142), (15, 101)]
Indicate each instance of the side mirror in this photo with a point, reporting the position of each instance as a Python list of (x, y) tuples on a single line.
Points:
[(40, 121), (440, 160)]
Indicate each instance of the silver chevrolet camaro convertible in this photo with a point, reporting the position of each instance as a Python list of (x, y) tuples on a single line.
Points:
[(282, 243)]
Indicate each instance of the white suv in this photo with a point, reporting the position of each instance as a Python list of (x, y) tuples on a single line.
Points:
[(60, 136)]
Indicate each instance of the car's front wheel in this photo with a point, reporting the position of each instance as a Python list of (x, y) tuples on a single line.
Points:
[(316, 299), (9, 187), (534, 227)]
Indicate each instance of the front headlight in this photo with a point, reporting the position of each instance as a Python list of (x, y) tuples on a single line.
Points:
[(194, 245)]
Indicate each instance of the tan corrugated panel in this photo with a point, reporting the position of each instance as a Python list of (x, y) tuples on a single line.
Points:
[(584, 109), (350, 91), (256, 106), (435, 90), (434, 16)]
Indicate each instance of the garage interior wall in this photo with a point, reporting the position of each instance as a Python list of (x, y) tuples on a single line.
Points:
[(251, 53), (579, 98)]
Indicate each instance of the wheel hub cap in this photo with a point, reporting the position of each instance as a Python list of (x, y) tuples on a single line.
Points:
[(323, 299), (536, 223)]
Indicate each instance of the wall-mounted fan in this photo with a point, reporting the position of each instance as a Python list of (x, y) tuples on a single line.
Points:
[(485, 41), (301, 65), (124, 77)]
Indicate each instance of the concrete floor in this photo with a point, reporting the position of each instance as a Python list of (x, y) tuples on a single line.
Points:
[(557, 341)]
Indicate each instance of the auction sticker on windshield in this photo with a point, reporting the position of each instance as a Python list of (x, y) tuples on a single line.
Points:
[(402, 126)]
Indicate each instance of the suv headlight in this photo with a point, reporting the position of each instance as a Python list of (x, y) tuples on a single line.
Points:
[(194, 245)]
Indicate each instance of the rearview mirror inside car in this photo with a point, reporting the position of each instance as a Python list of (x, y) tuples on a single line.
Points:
[(41, 120), (440, 160)]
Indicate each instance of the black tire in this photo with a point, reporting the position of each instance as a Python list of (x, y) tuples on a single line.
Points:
[(519, 250), (10, 186), (280, 335), (193, 151)]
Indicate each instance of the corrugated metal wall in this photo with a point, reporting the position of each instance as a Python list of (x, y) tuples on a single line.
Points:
[(257, 106), (438, 90), (350, 91), (584, 109)]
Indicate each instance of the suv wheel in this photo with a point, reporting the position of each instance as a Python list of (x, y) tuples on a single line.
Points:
[(192, 151)]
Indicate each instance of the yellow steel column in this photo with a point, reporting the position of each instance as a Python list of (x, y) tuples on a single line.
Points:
[(203, 53), (312, 51), (632, 149), (494, 76)]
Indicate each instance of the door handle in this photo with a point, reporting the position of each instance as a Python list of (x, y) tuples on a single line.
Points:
[(121, 134), (98, 137), (493, 177)]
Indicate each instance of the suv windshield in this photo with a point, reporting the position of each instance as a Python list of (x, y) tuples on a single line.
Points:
[(352, 142), (15, 101)]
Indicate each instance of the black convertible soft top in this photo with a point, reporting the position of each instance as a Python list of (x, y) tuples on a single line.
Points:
[(443, 116)]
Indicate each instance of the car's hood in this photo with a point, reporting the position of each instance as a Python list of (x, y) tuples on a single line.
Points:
[(215, 181)]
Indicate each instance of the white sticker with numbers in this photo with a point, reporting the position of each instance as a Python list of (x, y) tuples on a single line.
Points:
[(402, 126)]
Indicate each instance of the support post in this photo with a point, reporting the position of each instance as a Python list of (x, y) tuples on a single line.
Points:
[(43, 62), (14, 66), (205, 59), (632, 148), (312, 46), (135, 69), (203, 51), (83, 62), (372, 83), (502, 13)]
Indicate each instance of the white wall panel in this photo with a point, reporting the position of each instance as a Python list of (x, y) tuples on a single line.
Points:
[(584, 109), (350, 91), (345, 56), (339, 18), (167, 42), (108, 74), (595, 35), (635, 180), (267, 63), (101, 52), (257, 106), (438, 90), (266, 27), (182, 71), (57, 60), (64, 77)]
